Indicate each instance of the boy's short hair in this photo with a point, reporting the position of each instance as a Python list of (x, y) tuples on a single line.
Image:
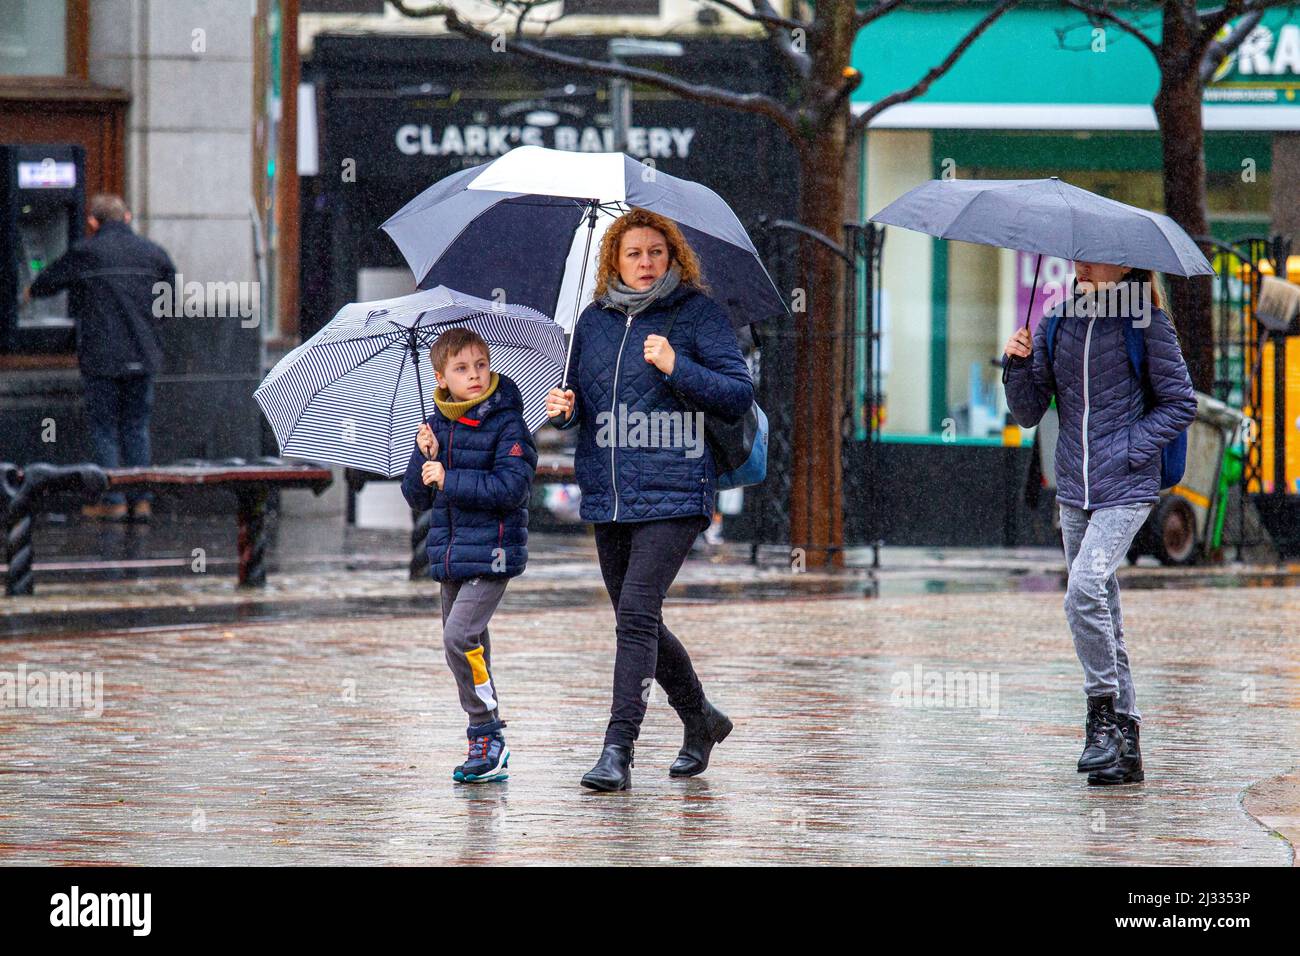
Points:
[(453, 342)]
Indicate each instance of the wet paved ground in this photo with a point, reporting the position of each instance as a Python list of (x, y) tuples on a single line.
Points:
[(332, 739)]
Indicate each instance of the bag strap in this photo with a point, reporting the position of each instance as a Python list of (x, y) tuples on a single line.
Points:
[(671, 319), (1135, 344), (1053, 327), (1053, 330)]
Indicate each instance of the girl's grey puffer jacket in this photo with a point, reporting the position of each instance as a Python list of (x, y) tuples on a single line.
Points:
[(1108, 451)]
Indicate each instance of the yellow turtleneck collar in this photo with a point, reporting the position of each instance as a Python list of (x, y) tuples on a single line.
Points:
[(454, 410)]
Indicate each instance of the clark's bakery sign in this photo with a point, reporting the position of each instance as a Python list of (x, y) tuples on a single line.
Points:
[(1264, 69), (536, 123)]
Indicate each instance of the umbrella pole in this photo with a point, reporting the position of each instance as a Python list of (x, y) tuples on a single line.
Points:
[(1028, 310), (415, 360), (582, 277)]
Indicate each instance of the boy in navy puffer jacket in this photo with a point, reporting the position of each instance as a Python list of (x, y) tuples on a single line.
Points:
[(473, 465)]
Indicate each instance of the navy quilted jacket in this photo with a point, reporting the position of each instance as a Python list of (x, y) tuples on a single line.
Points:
[(480, 517), (631, 481), (1108, 451)]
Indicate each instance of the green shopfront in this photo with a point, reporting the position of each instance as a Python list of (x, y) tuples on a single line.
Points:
[(1041, 93)]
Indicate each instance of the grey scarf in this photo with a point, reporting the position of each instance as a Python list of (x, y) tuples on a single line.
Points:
[(629, 300)]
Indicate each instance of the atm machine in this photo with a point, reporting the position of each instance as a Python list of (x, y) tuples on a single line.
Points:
[(42, 212)]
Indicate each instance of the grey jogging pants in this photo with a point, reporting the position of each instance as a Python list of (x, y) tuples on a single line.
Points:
[(467, 606)]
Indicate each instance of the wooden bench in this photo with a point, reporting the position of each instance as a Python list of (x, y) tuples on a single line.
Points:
[(26, 492)]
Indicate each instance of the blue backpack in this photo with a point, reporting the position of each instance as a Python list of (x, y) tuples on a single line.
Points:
[(1173, 456)]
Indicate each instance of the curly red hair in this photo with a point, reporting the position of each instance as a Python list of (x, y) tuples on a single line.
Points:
[(679, 250)]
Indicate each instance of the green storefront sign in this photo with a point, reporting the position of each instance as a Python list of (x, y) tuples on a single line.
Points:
[(1050, 54)]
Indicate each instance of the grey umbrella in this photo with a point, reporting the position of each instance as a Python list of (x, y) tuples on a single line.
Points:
[(1049, 217)]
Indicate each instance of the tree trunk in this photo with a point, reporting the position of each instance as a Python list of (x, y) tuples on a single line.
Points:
[(1182, 135), (1285, 199), (816, 500), (816, 503)]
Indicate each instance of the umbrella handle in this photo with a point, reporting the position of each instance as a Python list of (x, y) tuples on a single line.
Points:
[(419, 389), (1008, 359)]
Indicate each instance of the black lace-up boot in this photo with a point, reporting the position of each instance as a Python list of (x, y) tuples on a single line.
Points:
[(1128, 769), (1103, 742)]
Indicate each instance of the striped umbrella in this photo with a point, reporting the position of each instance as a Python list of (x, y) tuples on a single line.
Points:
[(354, 394)]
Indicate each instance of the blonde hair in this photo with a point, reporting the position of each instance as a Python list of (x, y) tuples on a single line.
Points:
[(1159, 297), (679, 250)]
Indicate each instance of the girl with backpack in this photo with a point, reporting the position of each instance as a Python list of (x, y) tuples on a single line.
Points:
[(1123, 395)]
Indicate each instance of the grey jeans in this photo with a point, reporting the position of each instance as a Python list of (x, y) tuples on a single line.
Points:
[(467, 606), (1096, 542)]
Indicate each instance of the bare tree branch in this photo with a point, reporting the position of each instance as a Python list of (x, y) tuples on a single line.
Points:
[(1103, 13), (779, 30), (1211, 21), (415, 14), (758, 103), (918, 89), (864, 17), (762, 13)]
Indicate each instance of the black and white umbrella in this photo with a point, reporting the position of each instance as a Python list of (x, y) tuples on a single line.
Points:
[(529, 223), (354, 394)]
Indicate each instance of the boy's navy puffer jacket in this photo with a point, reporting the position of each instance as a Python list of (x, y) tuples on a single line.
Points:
[(480, 517), (634, 481), (1108, 450)]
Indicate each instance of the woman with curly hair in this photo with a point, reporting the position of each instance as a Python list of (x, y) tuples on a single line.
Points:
[(652, 347)]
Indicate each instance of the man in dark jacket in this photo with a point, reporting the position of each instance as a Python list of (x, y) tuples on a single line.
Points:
[(111, 277)]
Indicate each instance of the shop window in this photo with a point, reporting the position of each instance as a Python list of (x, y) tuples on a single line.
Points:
[(32, 38), (44, 38)]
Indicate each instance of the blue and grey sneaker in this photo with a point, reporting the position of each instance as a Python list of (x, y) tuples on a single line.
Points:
[(488, 754)]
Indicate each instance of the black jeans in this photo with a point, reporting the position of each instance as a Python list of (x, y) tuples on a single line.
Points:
[(638, 561), (117, 413)]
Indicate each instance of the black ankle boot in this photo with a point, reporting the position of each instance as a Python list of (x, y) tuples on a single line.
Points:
[(1103, 742), (704, 728), (1128, 769), (613, 771)]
